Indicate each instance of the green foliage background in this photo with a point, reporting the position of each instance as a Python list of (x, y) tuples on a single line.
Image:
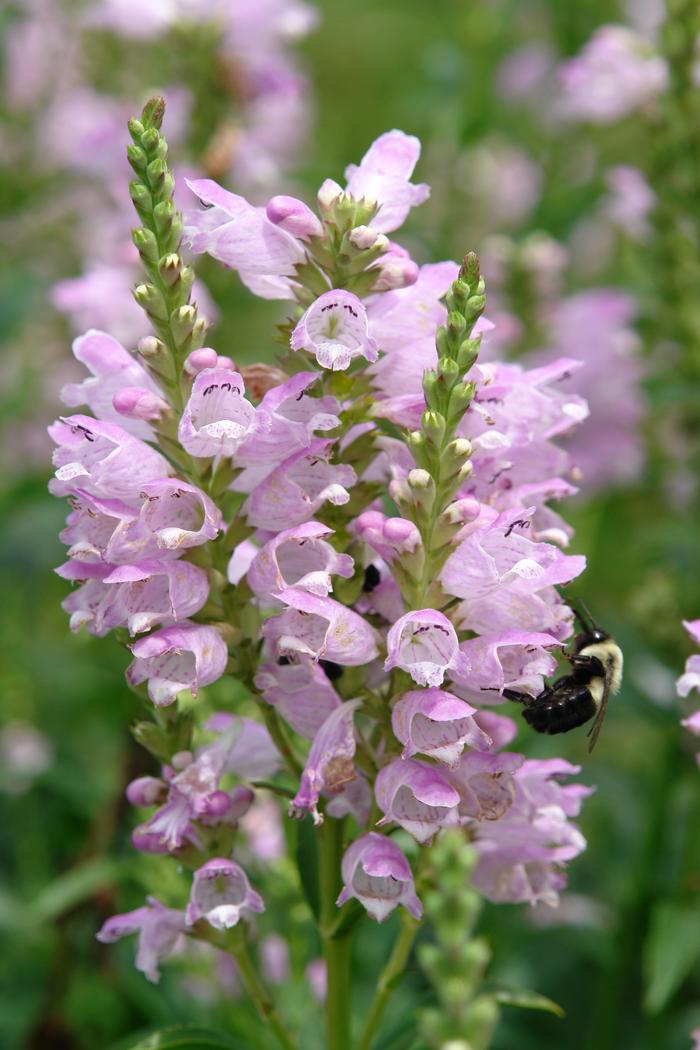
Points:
[(626, 973)]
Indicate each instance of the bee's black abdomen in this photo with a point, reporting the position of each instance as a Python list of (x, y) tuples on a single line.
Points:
[(560, 713)]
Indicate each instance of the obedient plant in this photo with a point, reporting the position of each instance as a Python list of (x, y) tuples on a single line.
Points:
[(358, 534)]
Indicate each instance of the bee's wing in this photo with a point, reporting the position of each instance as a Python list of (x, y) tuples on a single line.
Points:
[(594, 731)]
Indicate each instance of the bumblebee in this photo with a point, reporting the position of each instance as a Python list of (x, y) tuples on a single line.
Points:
[(576, 698)]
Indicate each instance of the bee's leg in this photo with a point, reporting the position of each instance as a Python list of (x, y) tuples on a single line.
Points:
[(519, 697), (589, 663)]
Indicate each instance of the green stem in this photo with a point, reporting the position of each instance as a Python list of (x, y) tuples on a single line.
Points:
[(336, 949), (258, 993), (388, 979)]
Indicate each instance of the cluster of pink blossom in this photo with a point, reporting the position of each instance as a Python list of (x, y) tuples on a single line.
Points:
[(594, 328), (617, 73), (375, 592)]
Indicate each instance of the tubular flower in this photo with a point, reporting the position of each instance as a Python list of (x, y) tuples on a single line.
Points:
[(377, 874)]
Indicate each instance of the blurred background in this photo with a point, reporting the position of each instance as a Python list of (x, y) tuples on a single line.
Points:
[(582, 197)]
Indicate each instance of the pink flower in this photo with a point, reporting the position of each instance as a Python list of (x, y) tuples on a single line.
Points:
[(329, 766), (222, 895), (285, 422), (435, 723), (241, 236), (301, 692), (217, 418), (174, 516), (101, 459), (113, 368), (295, 490), (383, 176), (509, 659), (320, 628), (377, 874), (185, 656), (299, 557), (160, 931), (136, 596), (424, 643), (335, 329), (521, 854), (505, 579), (417, 796)]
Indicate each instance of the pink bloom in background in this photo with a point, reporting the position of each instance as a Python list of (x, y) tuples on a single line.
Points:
[(616, 73), (596, 328), (629, 202)]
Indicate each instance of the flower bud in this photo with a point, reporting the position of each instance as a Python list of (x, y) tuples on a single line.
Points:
[(149, 346), (364, 237), (329, 194), (146, 791), (396, 272), (137, 403), (293, 216), (201, 359)]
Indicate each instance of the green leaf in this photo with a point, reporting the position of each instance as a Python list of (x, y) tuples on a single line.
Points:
[(72, 888), (671, 950), (181, 1037), (527, 1000), (307, 863)]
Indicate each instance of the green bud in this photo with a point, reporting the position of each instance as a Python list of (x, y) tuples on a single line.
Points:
[(458, 295), (447, 372), (155, 173), (430, 389), (149, 298), (149, 347), (455, 326), (442, 342), (469, 270), (433, 426), (137, 158), (143, 202), (150, 140), (136, 129), (481, 1020), (153, 112), (475, 306), (468, 353), (170, 268), (146, 243), (182, 321), (416, 443)]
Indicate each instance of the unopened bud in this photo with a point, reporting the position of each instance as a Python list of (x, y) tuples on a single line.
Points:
[(396, 272), (200, 359), (225, 362), (181, 760), (149, 346), (137, 403), (419, 479), (329, 194), (294, 216), (146, 791), (364, 237)]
